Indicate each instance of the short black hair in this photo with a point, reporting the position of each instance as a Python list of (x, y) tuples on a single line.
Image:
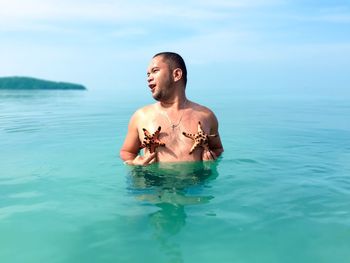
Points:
[(175, 61)]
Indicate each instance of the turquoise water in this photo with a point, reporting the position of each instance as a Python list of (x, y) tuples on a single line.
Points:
[(281, 192)]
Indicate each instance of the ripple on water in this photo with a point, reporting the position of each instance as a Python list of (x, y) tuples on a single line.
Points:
[(12, 210), (24, 195)]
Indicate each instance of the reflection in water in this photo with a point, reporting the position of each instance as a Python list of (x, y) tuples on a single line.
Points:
[(38, 94), (171, 187)]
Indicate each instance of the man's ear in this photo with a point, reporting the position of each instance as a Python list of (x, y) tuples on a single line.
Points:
[(177, 74)]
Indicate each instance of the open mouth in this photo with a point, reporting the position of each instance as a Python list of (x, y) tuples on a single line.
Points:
[(152, 86)]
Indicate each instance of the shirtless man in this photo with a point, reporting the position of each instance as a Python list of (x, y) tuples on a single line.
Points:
[(174, 113)]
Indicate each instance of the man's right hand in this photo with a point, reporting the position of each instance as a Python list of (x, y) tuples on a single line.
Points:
[(142, 160)]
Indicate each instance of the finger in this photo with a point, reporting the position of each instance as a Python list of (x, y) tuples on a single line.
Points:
[(206, 156), (209, 155), (149, 158), (153, 160), (128, 162), (141, 160), (213, 155), (133, 162)]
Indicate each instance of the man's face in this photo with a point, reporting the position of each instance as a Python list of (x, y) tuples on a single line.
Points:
[(159, 78)]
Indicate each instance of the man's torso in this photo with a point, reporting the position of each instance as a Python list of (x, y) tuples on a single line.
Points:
[(177, 146)]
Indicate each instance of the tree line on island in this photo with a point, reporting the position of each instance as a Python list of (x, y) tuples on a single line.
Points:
[(28, 83)]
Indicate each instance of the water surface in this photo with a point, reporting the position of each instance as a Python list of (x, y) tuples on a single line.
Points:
[(280, 193)]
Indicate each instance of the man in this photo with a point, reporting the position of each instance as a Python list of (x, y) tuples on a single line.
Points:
[(174, 113)]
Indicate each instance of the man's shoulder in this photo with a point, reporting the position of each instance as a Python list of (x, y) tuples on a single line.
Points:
[(201, 108), (204, 113), (145, 110)]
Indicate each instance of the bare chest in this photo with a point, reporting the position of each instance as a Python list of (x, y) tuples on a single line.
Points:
[(177, 146)]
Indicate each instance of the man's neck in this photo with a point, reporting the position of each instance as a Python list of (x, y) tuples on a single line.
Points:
[(176, 103)]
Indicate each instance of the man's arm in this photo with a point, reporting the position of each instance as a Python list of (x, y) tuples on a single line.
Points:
[(131, 147), (215, 144)]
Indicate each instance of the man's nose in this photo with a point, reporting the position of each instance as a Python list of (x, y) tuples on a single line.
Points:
[(149, 78)]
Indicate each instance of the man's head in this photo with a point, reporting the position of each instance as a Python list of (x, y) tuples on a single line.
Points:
[(166, 75), (175, 61)]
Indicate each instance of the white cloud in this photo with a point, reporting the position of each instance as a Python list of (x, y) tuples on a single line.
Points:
[(336, 18), (229, 45), (53, 10), (240, 3), (127, 32), (96, 35), (323, 17), (19, 14), (330, 14)]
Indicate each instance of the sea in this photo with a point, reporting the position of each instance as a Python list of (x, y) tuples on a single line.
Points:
[(279, 193)]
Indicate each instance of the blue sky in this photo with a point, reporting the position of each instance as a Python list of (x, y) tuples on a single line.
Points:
[(256, 45)]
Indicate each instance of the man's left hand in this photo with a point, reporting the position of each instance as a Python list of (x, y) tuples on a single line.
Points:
[(208, 155)]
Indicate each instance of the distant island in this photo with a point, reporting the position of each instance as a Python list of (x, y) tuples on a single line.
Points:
[(28, 83)]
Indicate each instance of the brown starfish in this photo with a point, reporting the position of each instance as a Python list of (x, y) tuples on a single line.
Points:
[(201, 139), (151, 142)]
